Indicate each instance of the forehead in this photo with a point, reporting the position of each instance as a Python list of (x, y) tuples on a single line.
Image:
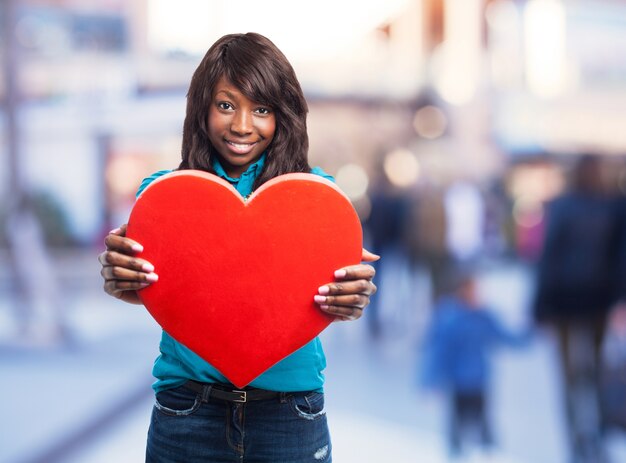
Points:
[(224, 85)]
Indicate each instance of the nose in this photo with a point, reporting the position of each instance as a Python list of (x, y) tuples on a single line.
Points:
[(241, 123)]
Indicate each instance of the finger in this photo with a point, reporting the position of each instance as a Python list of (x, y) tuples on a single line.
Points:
[(117, 288), (122, 244), (348, 287), (112, 273), (108, 258), (356, 301), (119, 231), (356, 272), (367, 256), (344, 313)]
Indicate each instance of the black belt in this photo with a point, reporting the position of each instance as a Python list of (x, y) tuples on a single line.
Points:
[(218, 391)]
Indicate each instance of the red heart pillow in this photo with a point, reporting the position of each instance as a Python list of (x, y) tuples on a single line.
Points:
[(237, 278)]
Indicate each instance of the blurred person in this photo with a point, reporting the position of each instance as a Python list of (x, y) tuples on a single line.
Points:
[(614, 345), (457, 350), (385, 226), (425, 234), (496, 243), (465, 216), (245, 122), (614, 370), (39, 307), (575, 289)]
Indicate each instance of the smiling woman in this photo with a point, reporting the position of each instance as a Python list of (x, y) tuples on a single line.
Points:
[(245, 122), (240, 129)]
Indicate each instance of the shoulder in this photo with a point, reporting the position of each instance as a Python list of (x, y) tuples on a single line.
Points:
[(447, 310), (151, 178), (318, 171)]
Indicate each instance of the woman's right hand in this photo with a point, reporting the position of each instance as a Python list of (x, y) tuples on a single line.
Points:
[(124, 273)]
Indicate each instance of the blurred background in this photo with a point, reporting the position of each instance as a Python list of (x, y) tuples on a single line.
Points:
[(451, 125)]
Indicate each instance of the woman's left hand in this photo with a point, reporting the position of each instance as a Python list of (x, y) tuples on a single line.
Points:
[(350, 293)]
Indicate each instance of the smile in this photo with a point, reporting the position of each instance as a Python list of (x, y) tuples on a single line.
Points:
[(241, 148)]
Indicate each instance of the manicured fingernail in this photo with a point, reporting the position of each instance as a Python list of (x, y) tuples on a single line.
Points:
[(323, 290), (324, 307), (340, 273), (116, 230), (152, 277), (137, 247), (319, 299), (147, 267)]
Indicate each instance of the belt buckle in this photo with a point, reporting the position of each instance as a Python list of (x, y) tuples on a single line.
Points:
[(242, 399)]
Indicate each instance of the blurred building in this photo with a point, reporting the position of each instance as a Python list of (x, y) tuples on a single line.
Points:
[(436, 90)]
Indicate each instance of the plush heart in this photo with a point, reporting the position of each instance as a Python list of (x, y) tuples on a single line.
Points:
[(236, 277)]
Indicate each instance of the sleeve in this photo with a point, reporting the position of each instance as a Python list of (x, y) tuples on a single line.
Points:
[(321, 173), (148, 180), (502, 335), (620, 238), (549, 260), (433, 359)]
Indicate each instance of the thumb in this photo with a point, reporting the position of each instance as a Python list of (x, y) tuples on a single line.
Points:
[(120, 231), (367, 256)]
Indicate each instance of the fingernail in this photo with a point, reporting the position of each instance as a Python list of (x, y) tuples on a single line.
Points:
[(137, 247), (323, 290), (319, 299), (116, 230), (340, 273), (152, 277), (147, 267), (324, 307)]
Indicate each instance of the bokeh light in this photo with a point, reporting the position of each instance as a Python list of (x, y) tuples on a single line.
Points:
[(353, 180), (401, 167), (430, 122)]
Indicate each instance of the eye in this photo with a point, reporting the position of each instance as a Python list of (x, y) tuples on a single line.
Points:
[(224, 105), (263, 110)]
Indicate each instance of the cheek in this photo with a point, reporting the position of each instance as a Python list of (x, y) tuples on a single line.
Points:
[(214, 123), (269, 129)]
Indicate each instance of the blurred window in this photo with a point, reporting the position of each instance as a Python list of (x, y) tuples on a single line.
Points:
[(49, 31)]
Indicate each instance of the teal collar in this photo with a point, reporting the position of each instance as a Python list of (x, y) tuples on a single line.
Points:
[(244, 183)]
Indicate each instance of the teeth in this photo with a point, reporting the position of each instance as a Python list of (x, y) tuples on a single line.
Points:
[(240, 145)]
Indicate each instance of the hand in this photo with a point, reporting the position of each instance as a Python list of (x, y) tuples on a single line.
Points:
[(123, 272), (350, 293)]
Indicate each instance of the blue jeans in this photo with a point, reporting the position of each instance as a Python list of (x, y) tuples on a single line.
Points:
[(289, 429)]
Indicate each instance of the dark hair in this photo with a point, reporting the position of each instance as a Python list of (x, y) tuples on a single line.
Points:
[(587, 174), (262, 73)]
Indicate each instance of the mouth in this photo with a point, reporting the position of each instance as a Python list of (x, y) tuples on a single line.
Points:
[(240, 148)]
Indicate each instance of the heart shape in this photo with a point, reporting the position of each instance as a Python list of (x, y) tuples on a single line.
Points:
[(236, 277)]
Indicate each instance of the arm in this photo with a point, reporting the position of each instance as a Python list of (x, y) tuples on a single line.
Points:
[(124, 273), (505, 336), (350, 293)]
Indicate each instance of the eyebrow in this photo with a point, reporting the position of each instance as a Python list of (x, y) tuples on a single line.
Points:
[(227, 93), (235, 97)]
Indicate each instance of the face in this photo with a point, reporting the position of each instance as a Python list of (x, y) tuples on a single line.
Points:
[(469, 293), (240, 129)]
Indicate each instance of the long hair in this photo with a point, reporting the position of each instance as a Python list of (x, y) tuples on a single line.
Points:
[(262, 73)]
